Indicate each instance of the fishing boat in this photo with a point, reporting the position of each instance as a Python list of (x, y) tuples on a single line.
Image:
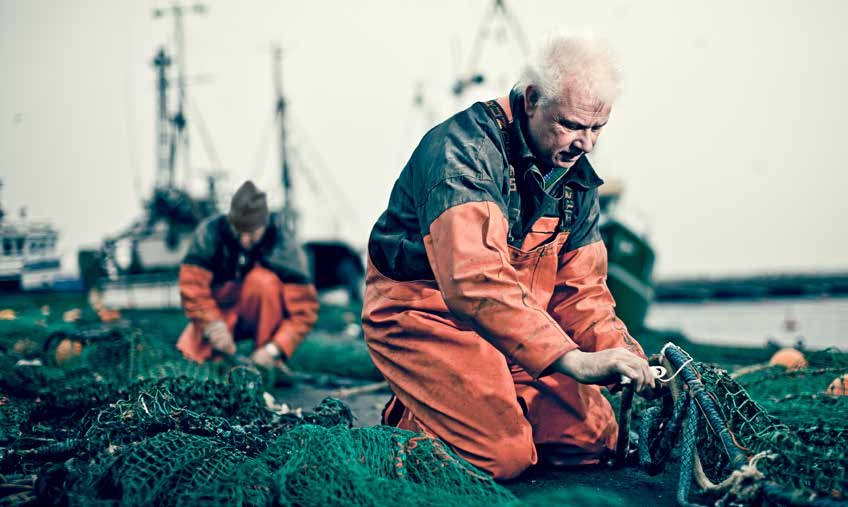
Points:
[(630, 259), (138, 267), (28, 255)]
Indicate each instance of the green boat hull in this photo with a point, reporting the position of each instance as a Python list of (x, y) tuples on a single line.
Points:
[(631, 263)]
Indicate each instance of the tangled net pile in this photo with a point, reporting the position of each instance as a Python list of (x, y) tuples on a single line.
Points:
[(124, 421), (109, 416), (768, 434)]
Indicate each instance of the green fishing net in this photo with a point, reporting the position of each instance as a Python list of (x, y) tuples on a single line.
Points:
[(790, 424), (792, 416), (123, 420)]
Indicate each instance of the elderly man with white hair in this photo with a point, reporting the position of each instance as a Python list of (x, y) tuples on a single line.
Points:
[(486, 306)]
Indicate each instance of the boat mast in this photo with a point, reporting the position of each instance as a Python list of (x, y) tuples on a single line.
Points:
[(289, 211), (172, 132), (472, 77), (164, 169)]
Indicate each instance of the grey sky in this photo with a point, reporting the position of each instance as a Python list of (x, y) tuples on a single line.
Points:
[(729, 137)]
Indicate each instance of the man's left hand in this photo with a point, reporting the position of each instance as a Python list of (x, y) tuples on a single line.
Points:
[(265, 356)]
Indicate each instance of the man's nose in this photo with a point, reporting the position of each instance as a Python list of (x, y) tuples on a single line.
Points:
[(585, 141)]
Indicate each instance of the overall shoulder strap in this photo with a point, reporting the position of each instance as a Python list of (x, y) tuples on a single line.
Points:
[(500, 111)]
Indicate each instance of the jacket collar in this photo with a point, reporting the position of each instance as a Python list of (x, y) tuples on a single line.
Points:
[(581, 174)]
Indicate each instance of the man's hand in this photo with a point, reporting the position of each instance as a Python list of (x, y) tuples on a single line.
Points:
[(605, 367), (220, 337), (266, 356)]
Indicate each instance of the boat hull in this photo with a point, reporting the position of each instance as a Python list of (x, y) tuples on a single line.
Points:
[(631, 263)]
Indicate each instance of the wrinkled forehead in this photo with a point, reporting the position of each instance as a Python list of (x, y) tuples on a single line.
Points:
[(579, 99)]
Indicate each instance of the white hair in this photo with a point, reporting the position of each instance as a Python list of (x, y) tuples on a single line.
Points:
[(585, 61)]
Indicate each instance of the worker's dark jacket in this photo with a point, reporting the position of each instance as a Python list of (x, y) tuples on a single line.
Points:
[(459, 219), (216, 259)]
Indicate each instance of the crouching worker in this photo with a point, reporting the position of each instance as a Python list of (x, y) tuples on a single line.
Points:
[(244, 277), (486, 305)]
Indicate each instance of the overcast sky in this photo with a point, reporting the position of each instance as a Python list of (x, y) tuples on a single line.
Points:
[(730, 137)]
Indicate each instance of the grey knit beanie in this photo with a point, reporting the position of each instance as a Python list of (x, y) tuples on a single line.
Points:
[(248, 209)]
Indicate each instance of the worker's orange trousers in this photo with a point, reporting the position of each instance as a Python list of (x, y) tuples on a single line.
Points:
[(256, 305), (450, 383)]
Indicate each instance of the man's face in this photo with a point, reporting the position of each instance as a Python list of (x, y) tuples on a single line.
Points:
[(560, 132), (248, 239)]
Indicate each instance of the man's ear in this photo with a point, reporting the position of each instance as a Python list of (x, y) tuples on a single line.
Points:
[(531, 99)]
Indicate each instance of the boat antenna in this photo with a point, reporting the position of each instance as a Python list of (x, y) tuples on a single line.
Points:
[(178, 123)]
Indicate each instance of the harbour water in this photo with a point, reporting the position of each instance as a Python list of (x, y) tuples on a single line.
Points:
[(820, 322)]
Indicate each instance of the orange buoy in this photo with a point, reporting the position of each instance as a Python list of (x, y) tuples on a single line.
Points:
[(72, 315), (107, 315), (67, 349), (839, 386), (791, 359), (25, 347)]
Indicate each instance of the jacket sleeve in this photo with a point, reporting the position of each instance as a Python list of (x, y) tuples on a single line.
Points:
[(468, 253), (582, 303), (301, 308), (288, 261), (196, 276), (196, 295)]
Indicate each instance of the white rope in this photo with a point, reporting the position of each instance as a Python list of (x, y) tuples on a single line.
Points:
[(669, 379), (660, 371), (662, 354)]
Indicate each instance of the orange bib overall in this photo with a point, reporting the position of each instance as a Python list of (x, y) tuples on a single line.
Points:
[(451, 383)]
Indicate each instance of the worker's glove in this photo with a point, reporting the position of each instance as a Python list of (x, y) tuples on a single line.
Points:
[(605, 367), (219, 337), (266, 356)]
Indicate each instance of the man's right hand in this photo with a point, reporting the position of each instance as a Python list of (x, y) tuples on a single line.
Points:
[(220, 337), (605, 367)]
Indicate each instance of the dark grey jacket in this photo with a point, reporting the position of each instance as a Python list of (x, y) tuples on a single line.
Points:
[(215, 248), (466, 159)]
